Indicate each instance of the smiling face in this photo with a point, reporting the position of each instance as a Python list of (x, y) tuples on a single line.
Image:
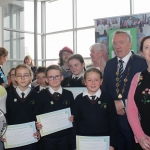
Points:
[(146, 50), (76, 67), (28, 61), (122, 45), (52, 80), (93, 82), (23, 78)]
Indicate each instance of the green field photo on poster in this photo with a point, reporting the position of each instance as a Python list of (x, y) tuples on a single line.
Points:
[(133, 34)]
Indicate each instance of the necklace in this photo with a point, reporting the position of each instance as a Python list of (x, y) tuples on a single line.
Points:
[(120, 93)]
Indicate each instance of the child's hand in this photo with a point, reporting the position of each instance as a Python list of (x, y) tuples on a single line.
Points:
[(111, 148), (37, 134), (71, 118), (3, 139), (38, 125)]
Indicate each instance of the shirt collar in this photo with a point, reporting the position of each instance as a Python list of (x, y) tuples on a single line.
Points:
[(26, 92), (14, 86), (41, 88), (97, 94), (126, 58), (52, 91), (79, 76)]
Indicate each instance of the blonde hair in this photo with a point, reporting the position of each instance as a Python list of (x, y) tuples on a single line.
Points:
[(3, 51), (24, 66), (29, 57)]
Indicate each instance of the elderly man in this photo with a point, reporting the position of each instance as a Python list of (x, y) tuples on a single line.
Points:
[(63, 61), (118, 74)]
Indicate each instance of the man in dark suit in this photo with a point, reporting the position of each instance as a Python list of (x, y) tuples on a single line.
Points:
[(118, 75)]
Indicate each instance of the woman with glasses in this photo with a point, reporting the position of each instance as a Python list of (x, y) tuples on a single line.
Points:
[(3, 59)]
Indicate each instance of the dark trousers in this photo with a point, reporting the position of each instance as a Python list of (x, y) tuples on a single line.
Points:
[(61, 143), (125, 139)]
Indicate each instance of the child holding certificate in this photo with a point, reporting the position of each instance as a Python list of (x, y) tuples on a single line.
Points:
[(54, 98), (41, 79), (77, 67), (94, 111), (20, 102)]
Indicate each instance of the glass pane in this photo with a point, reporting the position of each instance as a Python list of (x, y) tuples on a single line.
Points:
[(6, 35), (10, 64), (58, 15), (55, 42), (140, 6), (39, 47), (39, 63), (85, 38), (54, 62), (20, 15), (88, 10), (20, 45)]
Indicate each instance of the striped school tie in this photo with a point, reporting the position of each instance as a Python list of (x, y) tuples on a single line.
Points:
[(121, 69)]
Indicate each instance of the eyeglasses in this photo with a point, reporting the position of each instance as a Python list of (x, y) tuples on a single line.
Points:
[(25, 76), (51, 78)]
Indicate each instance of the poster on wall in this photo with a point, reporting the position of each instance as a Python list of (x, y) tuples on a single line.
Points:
[(131, 32), (141, 23)]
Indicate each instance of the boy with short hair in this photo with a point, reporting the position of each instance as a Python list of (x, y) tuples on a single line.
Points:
[(41, 79), (52, 99)]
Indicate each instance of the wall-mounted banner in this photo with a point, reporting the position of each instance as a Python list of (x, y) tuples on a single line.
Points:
[(140, 23)]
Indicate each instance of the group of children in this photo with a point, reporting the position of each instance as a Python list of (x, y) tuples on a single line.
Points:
[(93, 112)]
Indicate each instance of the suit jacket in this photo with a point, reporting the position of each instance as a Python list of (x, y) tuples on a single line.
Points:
[(137, 64)]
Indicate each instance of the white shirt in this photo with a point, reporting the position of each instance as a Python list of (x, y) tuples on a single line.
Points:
[(79, 76), (100, 29), (97, 94), (41, 88), (26, 92), (52, 91), (125, 59)]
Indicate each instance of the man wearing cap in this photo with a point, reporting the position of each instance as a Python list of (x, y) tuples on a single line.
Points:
[(63, 60)]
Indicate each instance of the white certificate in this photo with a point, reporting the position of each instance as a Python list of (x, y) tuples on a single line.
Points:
[(76, 90), (92, 142), (20, 135), (54, 121)]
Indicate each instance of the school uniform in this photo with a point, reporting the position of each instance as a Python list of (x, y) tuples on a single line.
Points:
[(38, 88), (95, 117), (48, 102), (21, 110), (2, 76), (73, 81)]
